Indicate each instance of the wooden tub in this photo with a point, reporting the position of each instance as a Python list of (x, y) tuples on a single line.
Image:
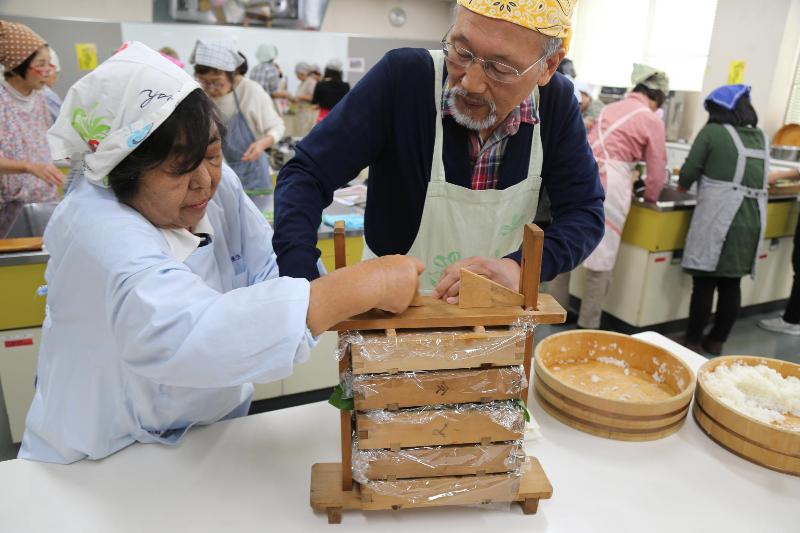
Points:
[(765, 444), (612, 385)]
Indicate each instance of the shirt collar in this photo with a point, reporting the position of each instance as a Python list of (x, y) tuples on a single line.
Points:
[(182, 242)]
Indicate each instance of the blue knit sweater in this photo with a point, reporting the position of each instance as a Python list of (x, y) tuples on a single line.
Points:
[(387, 123)]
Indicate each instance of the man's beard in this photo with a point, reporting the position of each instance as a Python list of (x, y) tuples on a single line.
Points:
[(467, 121)]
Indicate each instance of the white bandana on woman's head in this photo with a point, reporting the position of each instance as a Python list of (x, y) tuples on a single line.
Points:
[(111, 110), (220, 54)]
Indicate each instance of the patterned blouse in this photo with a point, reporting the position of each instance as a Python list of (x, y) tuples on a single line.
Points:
[(23, 137)]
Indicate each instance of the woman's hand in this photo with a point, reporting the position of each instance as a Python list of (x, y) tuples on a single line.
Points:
[(257, 148), (46, 172), (388, 283), (504, 271), (399, 281)]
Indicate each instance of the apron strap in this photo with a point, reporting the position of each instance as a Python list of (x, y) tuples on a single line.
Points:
[(437, 163), (601, 135), (743, 153)]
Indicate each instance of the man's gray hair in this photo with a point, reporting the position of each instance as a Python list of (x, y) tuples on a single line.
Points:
[(551, 46)]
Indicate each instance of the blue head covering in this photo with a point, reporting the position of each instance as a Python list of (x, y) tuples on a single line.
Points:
[(727, 95)]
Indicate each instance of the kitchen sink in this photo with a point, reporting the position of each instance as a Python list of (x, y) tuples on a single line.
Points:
[(26, 220)]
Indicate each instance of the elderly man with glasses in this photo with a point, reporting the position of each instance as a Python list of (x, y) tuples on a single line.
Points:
[(460, 142)]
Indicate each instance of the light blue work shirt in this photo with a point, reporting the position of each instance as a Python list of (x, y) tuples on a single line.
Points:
[(137, 345)]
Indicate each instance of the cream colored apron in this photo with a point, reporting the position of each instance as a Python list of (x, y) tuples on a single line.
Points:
[(615, 176), (458, 223)]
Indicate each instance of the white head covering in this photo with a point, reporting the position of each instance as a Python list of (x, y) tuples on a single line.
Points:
[(221, 54), (54, 59), (111, 110), (266, 53), (584, 87), (334, 64), (302, 68)]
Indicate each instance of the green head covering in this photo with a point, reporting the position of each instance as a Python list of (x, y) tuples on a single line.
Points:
[(651, 78)]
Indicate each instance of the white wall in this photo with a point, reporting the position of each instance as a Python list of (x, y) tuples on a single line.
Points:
[(766, 35), (427, 19), (293, 45), (113, 10), (671, 35)]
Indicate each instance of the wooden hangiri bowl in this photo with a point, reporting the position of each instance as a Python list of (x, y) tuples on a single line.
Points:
[(620, 419), (761, 443)]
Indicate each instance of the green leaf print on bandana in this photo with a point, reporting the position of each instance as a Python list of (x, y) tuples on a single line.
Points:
[(90, 127), (516, 222), (442, 262)]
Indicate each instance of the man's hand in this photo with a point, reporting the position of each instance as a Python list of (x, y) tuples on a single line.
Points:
[(504, 271)]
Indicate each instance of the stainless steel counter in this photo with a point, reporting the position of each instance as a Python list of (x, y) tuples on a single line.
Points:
[(672, 200)]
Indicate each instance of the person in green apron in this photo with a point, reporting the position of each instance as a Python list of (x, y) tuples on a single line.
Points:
[(729, 162), (459, 142), (252, 123)]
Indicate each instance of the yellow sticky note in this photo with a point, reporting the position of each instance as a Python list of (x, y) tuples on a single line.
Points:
[(736, 72), (87, 55)]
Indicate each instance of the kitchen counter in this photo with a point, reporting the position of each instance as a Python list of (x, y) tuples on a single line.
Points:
[(9, 212), (253, 474)]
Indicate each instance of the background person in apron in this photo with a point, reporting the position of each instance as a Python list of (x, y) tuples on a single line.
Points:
[(253, 125), (27, 173), (729, 160), (457, 150), (626, 132)]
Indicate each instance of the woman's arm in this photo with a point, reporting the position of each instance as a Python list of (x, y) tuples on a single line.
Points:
[(44, 171), (787, 174)]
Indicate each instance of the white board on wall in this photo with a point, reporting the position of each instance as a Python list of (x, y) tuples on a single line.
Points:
[(293, 45)]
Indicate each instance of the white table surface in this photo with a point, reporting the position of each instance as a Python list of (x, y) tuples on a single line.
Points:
[(252, 474)]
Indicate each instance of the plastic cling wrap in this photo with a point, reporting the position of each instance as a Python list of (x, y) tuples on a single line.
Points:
[(412, 389), (377, 352), (440, 425), (466, 490), (436, 461)]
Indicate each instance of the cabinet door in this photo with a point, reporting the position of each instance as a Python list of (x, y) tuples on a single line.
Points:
[(18, 355), (319, 372)]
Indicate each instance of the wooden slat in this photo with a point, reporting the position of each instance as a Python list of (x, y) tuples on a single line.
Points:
[(531, 266), (340, 255), (437, 351), (346, 429), (440, 461), (22, 244), (479, 291), (439, 314), (436, 492), (443, 387), (407, 429)]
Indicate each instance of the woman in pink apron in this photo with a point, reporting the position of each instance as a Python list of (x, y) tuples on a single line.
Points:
[(626, 132)]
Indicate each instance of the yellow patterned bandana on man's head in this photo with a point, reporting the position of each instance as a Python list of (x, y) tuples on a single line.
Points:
[(549, 17)]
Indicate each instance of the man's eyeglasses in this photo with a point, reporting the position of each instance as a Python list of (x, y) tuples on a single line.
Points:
[(463, 58)]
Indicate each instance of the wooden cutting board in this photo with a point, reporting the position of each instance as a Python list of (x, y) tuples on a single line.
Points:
[(24, 244)]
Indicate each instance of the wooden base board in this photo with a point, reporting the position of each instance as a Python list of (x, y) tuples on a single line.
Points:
[(327, 494)]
